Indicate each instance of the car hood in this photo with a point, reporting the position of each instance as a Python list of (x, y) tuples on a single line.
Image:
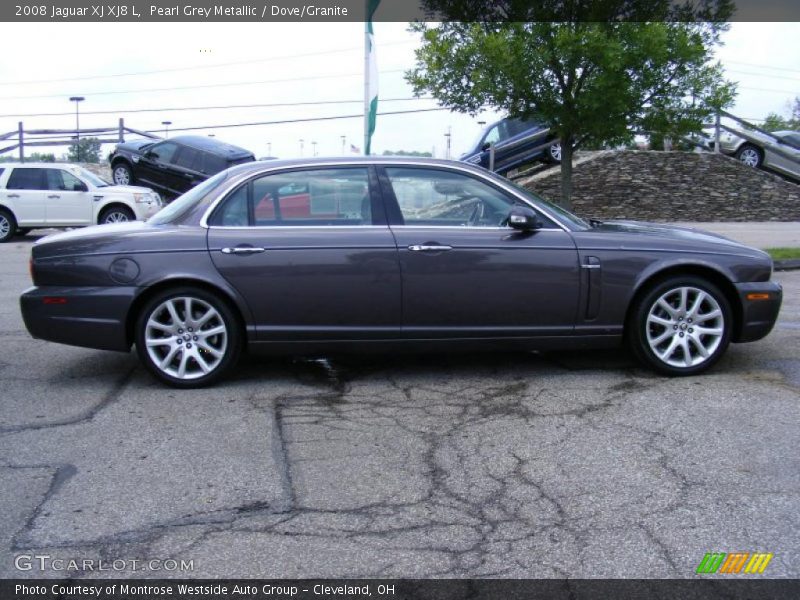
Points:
[(135, 146), (672, 237), (125, 189)]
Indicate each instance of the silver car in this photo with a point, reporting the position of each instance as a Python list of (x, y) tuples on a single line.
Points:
[(755, 149)]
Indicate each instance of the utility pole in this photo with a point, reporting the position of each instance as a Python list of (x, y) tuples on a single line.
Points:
[(166, 125), (77, 100), (301, 146), (344, 140), (447, 136), (314, 146)]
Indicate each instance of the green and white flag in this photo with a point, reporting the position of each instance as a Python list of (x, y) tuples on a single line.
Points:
[(370, 78)]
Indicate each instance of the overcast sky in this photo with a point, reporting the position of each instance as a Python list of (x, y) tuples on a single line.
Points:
[(122, 67)]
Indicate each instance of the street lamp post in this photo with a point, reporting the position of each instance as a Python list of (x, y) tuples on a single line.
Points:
[(166, 125), (447, 135), (344, 139), (302, 141), (269, 148), (77, 100), (314, 146)]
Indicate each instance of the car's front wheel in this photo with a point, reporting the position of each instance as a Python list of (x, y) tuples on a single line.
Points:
[(187, 337), (681, 326), (554, 153), (750, 155), (122, 174), (116, 214), (8, 226)]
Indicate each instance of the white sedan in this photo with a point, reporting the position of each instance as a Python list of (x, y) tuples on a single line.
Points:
[(34, 195)]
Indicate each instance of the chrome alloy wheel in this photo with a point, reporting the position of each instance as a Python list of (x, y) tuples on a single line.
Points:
[(750, 157), (186, 337), (5, 227), (116, 216), (122, 176), (555, 152), (685, 326)]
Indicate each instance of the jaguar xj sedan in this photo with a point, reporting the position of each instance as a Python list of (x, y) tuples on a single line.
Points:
[(319, 256)]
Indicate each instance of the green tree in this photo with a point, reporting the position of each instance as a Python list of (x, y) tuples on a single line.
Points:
[(42, 157), (597, 71), (406, 153), (86, 150), (775, 122)]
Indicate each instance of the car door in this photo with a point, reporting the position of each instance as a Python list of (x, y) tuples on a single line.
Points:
[(790, 162), (25, 193), (187, 168), (67, 201), (465, 273), (312, 254), (155, 167)]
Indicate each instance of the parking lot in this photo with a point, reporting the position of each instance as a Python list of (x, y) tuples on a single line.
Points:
[(500, 465)]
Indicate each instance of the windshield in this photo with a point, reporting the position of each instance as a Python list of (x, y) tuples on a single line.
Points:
[(563, 214), (91, 177), (182, 204)]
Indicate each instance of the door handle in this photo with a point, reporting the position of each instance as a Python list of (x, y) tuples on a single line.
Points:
[(54, 196), (429, 248), (13, 195), (242, 250)]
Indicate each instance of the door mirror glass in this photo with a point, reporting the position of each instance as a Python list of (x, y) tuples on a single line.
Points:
[(523, 218), (79, 187)]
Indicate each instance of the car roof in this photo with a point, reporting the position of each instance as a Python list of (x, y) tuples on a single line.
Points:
[(334, 161), (199, 142), (38, 165)]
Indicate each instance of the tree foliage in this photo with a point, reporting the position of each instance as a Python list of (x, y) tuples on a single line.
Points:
[(597, 71), (776, 122), (86, 150)]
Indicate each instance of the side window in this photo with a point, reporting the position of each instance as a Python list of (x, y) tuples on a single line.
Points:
[(188, 158), (319, 197), (444, 198), (493, 136), (54, 179), (164, 152), (26, 179), (213, 164), (71, 183)]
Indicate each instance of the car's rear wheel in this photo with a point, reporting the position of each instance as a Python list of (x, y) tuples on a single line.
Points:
[(750, 155), (116, 214), (681, 326), (122, 174), (8, 226), (187, 337)]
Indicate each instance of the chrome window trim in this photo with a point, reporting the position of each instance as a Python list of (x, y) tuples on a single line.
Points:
[(366, 164)]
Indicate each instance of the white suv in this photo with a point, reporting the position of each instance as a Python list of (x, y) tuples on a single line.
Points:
[(61, 195)]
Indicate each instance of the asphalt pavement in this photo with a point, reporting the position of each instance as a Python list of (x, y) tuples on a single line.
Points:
[(488, 465)]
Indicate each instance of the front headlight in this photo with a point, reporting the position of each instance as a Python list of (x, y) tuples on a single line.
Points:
[(143, 198)]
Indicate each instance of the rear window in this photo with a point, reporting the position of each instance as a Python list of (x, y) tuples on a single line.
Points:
[(26, 179)]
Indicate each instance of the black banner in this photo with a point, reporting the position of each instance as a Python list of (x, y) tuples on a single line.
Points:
[(391, 10), (401, 589)]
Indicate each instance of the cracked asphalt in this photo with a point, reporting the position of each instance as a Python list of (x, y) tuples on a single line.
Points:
[(491, 465)]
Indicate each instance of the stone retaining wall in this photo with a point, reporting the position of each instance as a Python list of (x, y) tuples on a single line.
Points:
[(673, 186)]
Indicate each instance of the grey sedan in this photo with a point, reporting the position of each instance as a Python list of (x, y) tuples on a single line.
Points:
[(317, 256), (779, 153)]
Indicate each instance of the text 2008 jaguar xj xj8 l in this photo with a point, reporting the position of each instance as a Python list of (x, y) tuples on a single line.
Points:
[(314, 256)]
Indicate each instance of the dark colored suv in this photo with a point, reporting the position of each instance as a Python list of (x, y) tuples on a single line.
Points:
[(174, 165), (515, 142)]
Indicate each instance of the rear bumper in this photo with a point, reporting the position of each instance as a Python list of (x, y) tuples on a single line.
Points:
[(759, 311), (92, 317)]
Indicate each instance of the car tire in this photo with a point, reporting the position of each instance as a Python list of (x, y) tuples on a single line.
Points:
[(23, 231), (680, 326), (116, 214), (174, 347), (122, 174), (750, 155), (8, 225)]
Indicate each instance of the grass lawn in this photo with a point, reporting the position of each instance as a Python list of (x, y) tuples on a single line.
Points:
[(783, 253)]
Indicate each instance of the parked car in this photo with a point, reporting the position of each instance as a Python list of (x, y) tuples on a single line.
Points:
[(377, 254), (61, 195), (515, 142), (175, 165), (760, 150)]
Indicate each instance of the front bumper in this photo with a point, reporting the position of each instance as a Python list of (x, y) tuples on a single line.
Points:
[(92, 317), (760, 302)]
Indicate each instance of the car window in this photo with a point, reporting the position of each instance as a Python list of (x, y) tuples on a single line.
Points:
[(793, 139), (164, 152), (71, 183), (213, 163), (493, 136), (188, 158), (318, 197), (444, 198), (26, 179)]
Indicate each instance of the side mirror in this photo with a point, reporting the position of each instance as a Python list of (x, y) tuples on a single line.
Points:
[(151, 155), (485, 146), (523, 218), (79, 187)]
